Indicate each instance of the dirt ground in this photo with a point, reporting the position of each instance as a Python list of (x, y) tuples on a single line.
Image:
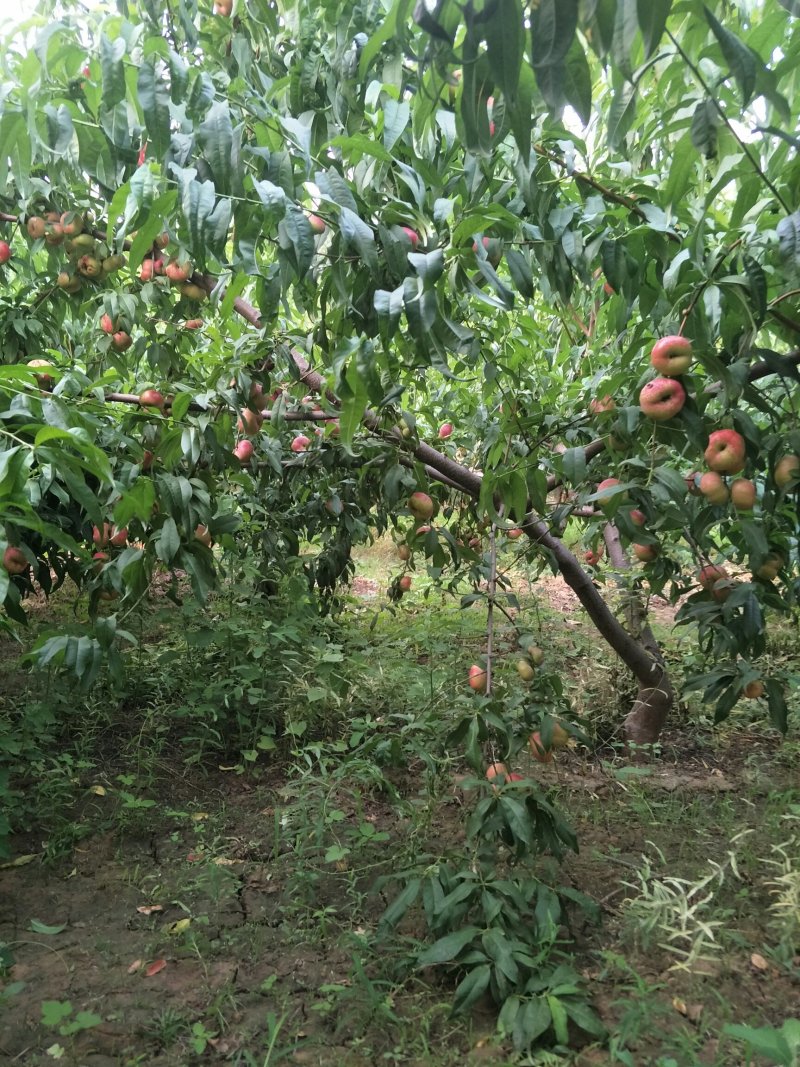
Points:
[(206, 930)]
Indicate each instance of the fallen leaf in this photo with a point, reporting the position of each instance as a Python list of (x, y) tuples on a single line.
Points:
[(98, 790), (679, 1005), (134, 967), (149, 909), (155, 967), (222, 861), (178, 927), (199, 816), (759, 962), (20, 861), (37, 927)]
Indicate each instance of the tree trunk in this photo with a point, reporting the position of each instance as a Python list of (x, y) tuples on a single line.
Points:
[(645, 721), (639, 653)]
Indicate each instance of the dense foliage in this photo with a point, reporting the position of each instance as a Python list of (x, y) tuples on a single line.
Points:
[(255, 259)]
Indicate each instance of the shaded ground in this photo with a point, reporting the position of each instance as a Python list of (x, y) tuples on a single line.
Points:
[(234, 920)]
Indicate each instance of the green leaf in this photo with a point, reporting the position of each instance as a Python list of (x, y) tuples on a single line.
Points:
[(621, 114), (60, 130), (154, 100), (400, 905), (652, 15), (520, 270), (505, 45), (573, 464), (215, 135), (447, 948), (553, 25), (788, 230), (577, 82), (470, 988), (625, 27), (168, 541), (520, 112), (295, 231), (55, 1011), (111, 53), (358, 235), (765, 1040), (681, 172), (532, 1020), (136, 502), (742, 61), (703, 130), (776, 704), (395, 119), (388, 29), (354, 396), (42, 928), (584, 1017), (559, 1016)]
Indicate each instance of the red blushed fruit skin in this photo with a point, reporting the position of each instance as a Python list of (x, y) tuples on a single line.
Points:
[(121, 341), (512, 535), (602, 405), (5, 251), (14, 560), (317, 224), (249, 422), (178, 272), (412, 235), (606, 484), (496, 770), (405, 583), (786, 470), (539, 752), (743, 494), (638, 518), (477, 678), (713, 488), (100, 535), (107, 324), (244, 452), (420, 505), (445, 431), (726, 452), (646, 553), (672, 356), (119, 538), (708, 578), (151, 398), (300, 443), (593, 556), (662, 399)]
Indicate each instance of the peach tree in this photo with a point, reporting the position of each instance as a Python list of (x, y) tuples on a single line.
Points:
[(255, 256)]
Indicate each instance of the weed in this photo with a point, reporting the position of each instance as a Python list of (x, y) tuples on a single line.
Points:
[(676, 913)]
